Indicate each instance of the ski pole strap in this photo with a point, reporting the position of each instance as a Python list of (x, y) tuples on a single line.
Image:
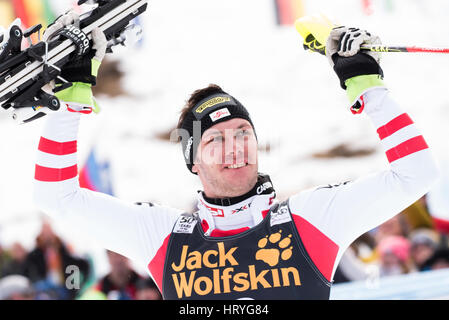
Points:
[(78, 37)]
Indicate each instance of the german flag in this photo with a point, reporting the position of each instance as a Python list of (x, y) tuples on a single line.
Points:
[(30, 12), (33, 12)]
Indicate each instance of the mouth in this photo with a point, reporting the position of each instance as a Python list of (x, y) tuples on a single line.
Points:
[(236, 166)]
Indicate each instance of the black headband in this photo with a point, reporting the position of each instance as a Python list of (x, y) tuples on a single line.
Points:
[(208, 112)]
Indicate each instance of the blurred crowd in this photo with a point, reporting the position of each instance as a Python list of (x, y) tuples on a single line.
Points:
[(52, 271), (411, 241)]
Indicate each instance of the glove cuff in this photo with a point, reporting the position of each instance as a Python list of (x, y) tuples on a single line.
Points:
[(79, 93), (357, 86), (95, 67)]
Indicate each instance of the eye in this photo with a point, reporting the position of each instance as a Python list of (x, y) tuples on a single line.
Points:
[(243, 133), (215, 139)]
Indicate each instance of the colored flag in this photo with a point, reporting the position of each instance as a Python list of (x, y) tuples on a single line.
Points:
[(48, 12), (6, 13), (96, 175), (287, 11), (389, 5), (30, 12), (367, 7), (33, 12)]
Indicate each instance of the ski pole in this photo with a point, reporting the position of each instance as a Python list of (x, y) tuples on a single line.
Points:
[(315, 30), (403, 49)]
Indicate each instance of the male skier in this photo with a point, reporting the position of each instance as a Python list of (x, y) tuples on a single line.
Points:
[(241, 243)]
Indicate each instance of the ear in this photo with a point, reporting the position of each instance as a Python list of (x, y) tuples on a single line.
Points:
[(195, 166)]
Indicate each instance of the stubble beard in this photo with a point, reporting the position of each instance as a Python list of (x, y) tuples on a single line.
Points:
[(223, 189)]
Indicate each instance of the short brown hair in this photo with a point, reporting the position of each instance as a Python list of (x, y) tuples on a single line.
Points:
[(196, 97)]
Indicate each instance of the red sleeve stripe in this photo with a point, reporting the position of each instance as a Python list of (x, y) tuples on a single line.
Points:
[(57, 148), (55, 175), (394, 125), (406, 148)]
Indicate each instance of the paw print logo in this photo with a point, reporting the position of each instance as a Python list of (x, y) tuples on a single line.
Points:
[(281, 248)]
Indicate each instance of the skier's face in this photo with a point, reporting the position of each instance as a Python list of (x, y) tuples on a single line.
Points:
[(226, 160)]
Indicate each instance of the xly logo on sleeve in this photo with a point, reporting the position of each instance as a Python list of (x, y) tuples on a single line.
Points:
[(218, 271)]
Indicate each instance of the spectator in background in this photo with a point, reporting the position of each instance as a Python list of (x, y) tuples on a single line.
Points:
[(424, 242), (396, 226), (121, 282), (4, 257), (16, 263), (16, 287), (439, 259), (394, 256), (357, 261), (147, 290), (46, 266), (350, 268)]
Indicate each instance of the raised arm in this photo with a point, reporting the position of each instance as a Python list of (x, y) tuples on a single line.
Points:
[(344, 212), (135, 231)]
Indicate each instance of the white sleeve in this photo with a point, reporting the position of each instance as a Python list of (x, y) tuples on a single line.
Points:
[(135, 231), (346, 211)]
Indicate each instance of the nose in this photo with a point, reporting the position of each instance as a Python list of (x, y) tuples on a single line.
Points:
[(234, 148)]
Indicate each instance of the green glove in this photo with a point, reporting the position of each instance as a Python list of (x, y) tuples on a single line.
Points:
[(356, 86), (81, 92), (83, 71), (357, 71)]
